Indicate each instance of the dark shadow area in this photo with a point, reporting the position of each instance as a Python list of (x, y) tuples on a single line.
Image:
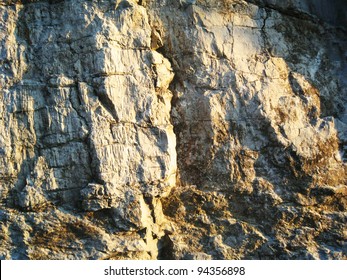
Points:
[(333, 12), (165, 248)]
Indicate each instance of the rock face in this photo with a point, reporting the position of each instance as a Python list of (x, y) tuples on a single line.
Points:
[(173, 129)]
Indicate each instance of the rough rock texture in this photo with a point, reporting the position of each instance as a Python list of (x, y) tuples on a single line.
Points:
[(173, 129)]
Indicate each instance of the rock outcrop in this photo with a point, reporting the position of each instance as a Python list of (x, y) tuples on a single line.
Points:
[(173, 129)]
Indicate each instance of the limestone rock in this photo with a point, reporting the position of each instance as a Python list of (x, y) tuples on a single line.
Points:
[(173, 129)]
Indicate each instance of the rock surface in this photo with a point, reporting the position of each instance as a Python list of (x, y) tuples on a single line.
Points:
[(173, 129)]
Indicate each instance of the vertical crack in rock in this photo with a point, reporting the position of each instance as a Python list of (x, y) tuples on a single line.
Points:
[(94, 96)]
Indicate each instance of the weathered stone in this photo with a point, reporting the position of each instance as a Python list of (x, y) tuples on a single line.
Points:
[(173, 129)]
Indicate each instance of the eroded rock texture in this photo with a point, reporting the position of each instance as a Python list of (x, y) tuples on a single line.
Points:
[(173, 129)]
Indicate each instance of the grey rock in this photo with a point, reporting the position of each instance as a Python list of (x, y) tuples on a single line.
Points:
[(141, 130)]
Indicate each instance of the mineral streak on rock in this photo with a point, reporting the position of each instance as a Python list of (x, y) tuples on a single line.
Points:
[(173, 129)]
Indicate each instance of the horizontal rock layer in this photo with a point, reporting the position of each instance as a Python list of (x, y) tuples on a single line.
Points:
[(173, 130)]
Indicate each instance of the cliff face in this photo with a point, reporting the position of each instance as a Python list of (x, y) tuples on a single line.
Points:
[(173, 129)]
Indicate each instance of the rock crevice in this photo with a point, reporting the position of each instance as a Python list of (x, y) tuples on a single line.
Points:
[(165, 129)]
